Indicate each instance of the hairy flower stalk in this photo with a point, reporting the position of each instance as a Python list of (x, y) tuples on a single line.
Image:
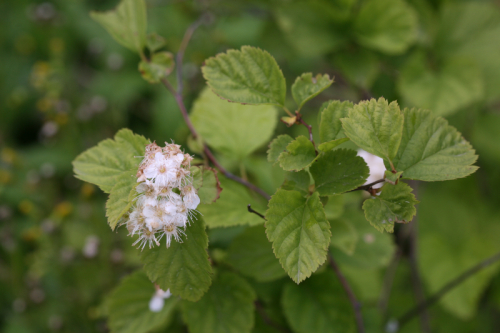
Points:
[(165, 199)]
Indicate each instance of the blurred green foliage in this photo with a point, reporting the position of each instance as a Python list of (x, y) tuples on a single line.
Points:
[(65, 85)]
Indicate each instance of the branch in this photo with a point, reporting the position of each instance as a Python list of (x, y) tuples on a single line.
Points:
[(250, 209), (445, 289), (350, 294), (309, 129), (368, 187)]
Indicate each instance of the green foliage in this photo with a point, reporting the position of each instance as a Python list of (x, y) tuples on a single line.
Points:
[(326, 146), (252, 254), (249, 76), (299, 231), (344, 236), (297, 181), (338, 171), (375, 126), (395, 203), (155, 42), (278, 146), (158, 67), (129, 306), (298, 155), (389, 26), (320, 305), (234, 129), (330, 126), (121, 198), (391, 177), (307, 87), (126, 23), (432, 150), (226, 308), (183, 267), (206, 183)]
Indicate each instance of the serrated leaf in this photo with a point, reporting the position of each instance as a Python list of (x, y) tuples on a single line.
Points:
[(395, 203), (158, 67), (119, 199), (277, 146), (307, 87), (375, 126), (392, 177), (126, 23), (104, 164), (330, 126), (432, 150), (252, 254), (129, 306), (249, 76), (344, 236), (298, 155), (230, 128), (297, 181), (389, 26), (329, 145), (456, 85), (183, 267), (231, 208), (207, 184), (299, 231), (226, 308), (319, 305), (338, 171)]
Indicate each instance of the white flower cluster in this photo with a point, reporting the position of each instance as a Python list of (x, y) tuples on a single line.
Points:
[(166, 198)]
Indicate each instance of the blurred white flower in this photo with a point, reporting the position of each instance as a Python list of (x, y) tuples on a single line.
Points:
[(158, 300), (376, 165)]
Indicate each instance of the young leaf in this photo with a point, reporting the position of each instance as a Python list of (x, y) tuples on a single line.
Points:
[(129, 306), (392, 177), (330, 126), (395, 203), (126, 23), (432, 150), (226, 308), (338, 171), (183, 267), (249, 76), (299, 154), (206, 182), (234, 129), (158, 68), (329, 145), (300, 233), (252, 254), (307, 87), (389, 26), (320, 305), (154, 42), (297, 181), (375, 126), (277, 146), (119, 201), (344, 236), (104, 164), (231, 208)]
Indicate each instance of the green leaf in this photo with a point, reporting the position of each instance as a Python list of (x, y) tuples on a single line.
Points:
[(344, 236), (307, 87), (395, 203), (329, 145), (126, 23), (297, 181), (252, 254), (154, 42), (299, 231), (338, 171), (104, 164), (234, 129), (330, 126), (319, 305), (226, 308), (375, 126), (432, 150), (389, 26), (207, 184), (456, 85), (360, 66), (158, 68), (231, 208), (121, 198), (277, 146), (299, 154), (129, 306), (392, 177), (249, 76), (183, 267)]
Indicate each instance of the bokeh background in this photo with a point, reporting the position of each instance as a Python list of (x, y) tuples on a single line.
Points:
[(65, 85)]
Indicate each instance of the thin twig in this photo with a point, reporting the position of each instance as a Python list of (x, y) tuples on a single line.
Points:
[(309, 129), (251, 210), (445, 289), (267, 320), (350, 294), (368, 187)]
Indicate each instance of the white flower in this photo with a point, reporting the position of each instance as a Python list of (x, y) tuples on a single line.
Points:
[(158, 300), (191, 199), (376, 165), (146, 236), (171, 230)]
